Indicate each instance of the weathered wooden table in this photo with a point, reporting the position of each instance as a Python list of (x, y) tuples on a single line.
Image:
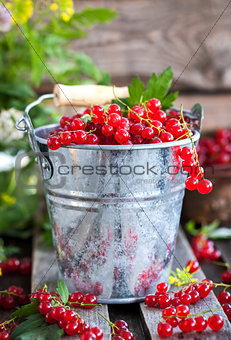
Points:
[(142, 320)]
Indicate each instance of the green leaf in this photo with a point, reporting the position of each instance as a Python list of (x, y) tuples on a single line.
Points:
[(26, 310), (169, 100), (220, 233), (63, 291), (86, 118), (36, 328), (16, 89), (136, 90), (190, 227), (92, 16)]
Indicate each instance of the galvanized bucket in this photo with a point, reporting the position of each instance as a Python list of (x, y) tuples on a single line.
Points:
[(114, 211)]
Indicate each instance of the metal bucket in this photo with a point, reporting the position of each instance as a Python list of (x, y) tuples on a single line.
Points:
[(114, 210)]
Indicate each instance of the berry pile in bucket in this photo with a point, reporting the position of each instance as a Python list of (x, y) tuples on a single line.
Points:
[(142, 118)]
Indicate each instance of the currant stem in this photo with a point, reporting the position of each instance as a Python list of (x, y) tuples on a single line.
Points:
[(9, 293), (7, 321), (206, 311), (186, 127), (223, 264), (109, 322)]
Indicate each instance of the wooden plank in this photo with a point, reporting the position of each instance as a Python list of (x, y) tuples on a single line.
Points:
[(151, 316), (224, 246), (149, 35), (45, 272)]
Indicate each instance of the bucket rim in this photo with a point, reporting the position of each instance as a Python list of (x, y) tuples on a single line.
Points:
[(51, 127)]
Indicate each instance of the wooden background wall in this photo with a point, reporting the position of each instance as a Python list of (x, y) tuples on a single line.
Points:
[(149, 35)]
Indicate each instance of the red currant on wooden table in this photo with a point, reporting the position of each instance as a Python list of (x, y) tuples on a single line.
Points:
[(164, 329), (226, 276), (150, 300), (201, 323), (192, 265), (88, 335), (162, 287), (215, 322)]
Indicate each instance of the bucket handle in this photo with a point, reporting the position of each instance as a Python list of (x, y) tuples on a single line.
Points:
[(45, 165)]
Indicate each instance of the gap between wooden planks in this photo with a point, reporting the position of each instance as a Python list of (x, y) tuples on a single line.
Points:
[(45, 271)]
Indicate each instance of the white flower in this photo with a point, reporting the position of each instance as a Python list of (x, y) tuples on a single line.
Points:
[(5, 19), (8, 132)]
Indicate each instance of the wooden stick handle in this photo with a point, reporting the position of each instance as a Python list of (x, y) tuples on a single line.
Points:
[(87, 95)]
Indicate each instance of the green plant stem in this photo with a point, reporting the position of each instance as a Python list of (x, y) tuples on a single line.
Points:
[(223, 264), (109, 322)]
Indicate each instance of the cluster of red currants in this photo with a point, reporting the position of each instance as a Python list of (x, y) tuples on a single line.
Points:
[(120, 330), (144, 124), (15, 265), (12, 297), (189, 295), (55, 311), (204, 248), (176, 311), (196, 178), (215, 149), (6, 330), (225, 300)]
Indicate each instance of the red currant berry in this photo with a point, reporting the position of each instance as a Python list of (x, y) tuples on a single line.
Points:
[(77, 124), (195, 296), (97, 110), (4, 335), (159, 115), (164, 330), (107, 130), (13, 264), (168, 312), (65, 120), (166, 137), (182, 311), (121, 136), (8, 302), (88, 335), (45, 297), (226, 276), (164, 300), (162, 287), (188, 166), (114, 119), (98, 332), (45, 307), (76, 297), (53, 143), (25, 265), (57, 313), (215, 255), (155, 140), (69, 316), (201, 324), (90, 300), (215, 322), (79, 137), (137, 129), (71, 328), (150, 300), (198, 172), (186, 153), (121, 324), (148, 133), (153, 105), (176, 301), (157, 126), (170, 122), (203, 290), (173, 321), (49, 318), (92, 139), (66, 138), (204, 186), (187, 325), (191, 183), (185, 299), (224, 297), (62, 324), (126, 334), (16, 290), (114, 108), (192, 266)]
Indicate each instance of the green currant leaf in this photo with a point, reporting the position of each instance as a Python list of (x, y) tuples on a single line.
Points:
[(190, 227), (63, 291), (27, 310), (136, 90), (86, 118), (169, 100), (36, 328), (220, 233)]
